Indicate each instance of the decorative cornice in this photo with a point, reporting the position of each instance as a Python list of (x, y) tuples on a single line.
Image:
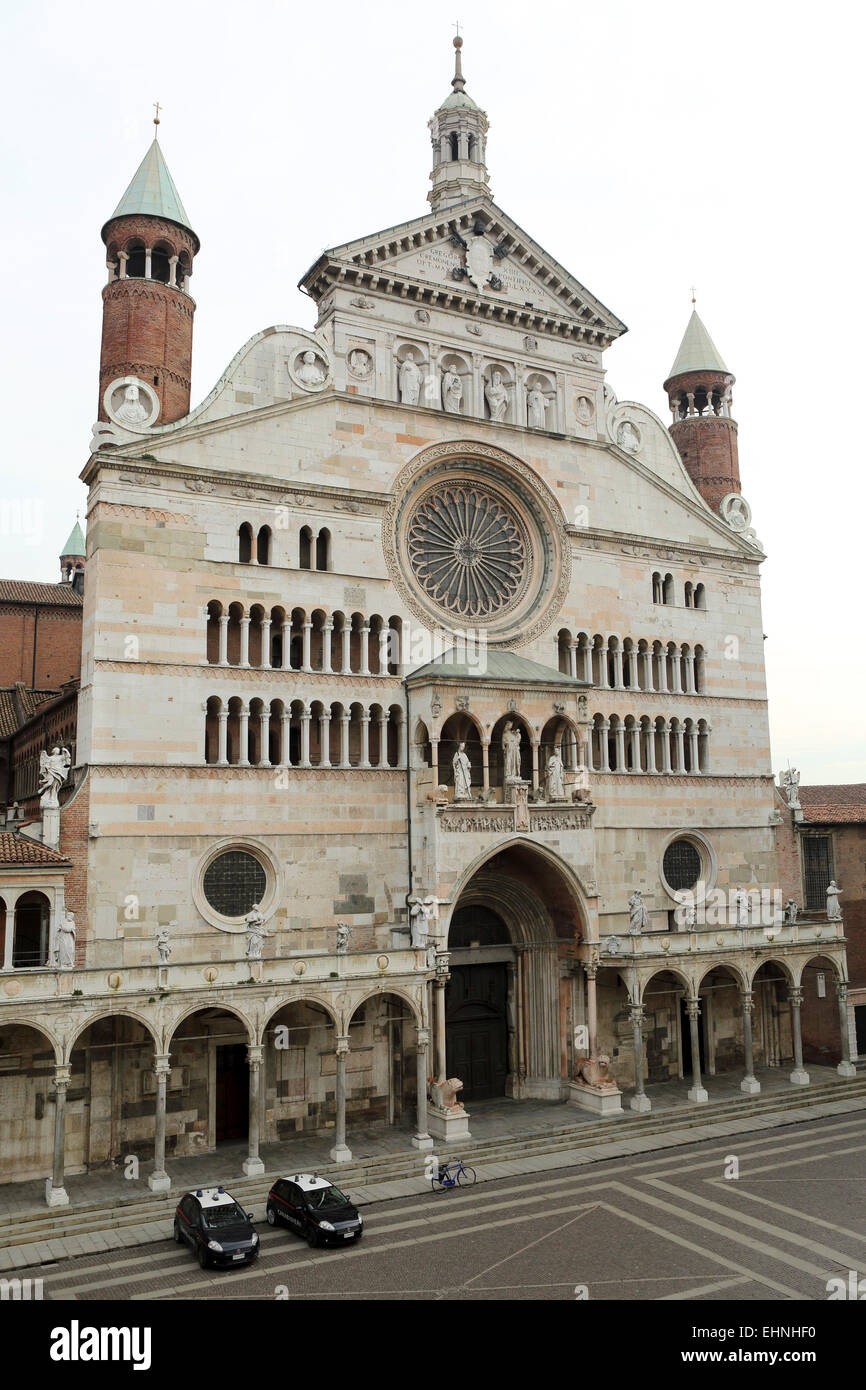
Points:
[(212, 772)]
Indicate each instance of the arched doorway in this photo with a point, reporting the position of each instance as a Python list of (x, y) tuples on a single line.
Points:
[(26, 1089), (476, 1002), (511, 998), (211, 1047), (819, 1012)]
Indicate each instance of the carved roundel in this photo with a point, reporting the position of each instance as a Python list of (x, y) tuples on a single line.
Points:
[(131, 403), (467, 551), (474, 538)]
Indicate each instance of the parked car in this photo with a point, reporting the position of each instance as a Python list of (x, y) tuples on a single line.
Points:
[(315, 1208), (216, 1227)]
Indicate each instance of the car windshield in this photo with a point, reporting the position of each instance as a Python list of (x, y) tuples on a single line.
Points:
[(326, 1197), (223, 1216)]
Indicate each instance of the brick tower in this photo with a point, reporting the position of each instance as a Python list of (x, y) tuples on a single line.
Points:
[(699, 392), (147, 310)]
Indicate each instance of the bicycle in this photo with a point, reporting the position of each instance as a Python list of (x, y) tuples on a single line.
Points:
[(454, 1174)]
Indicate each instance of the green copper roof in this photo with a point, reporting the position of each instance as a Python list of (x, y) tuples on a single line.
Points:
[(458, 99), (492, 663), (698, 352), (152, 191), (75, 545)]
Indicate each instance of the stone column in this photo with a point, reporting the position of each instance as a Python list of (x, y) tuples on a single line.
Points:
[(485, 767), (590, 969), (663, 671), (159, 1181), (690, 673), (587, 663), (243, 736), (434, 762), (55, 1192), (383, 739), (635, 748), (846, 1066), (327, 629), (750, 1084), (365, 739), (666, 747), (123, 257), (681, 749), (345, 720), (305, 739), (603, 673), (224, 640), (697, 1094), (286, 662), (640, 1101), (324, 740), (605, 746), (265, 662), (651, 749), (572, 658), (172, 271), (383, 650), (647, 669), (439, 999), (535, 765), (245, 642), (421, 1138), (285, 739), (799, 1076), (693, 750), (346, 646), (620, 747), (617, 668), (252, 1164), (401, 740), (222, 757), (340, 1153), (364, 668), (306, 629), (633, 677), (148, 253), (676, 684), (264, 738)]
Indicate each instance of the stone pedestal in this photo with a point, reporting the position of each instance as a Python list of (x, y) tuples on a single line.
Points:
[(799, 1077), (449, 1126), (161, 1182), (641, 1104), (846, 1069), (55, 1196), (599, 1101), (697, 1095), (51, 826), (253, 1167), (750, 1085), (341, 1154)]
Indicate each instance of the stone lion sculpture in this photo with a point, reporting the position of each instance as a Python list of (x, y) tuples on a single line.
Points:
[(595, 1071), (443, 1094)]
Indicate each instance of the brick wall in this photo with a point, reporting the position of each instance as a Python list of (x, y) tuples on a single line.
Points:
[(58, 645), (74, 844)]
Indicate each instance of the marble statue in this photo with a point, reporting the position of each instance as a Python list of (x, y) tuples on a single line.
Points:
[(452, 392), (417, 925), (637, 914), (163, 947), (791, 910), (834, 911), (595, 1072), (497, 397), (431, 396), (344, 931), (131, 411), (741, 907), (53, 772), (554, 788), (256, 932), (511, 752), (360, 362), (462, 775), (537, 408), (688, 915), (790, 780), (443, 1094), (309, 372), (410, 380), (627, 437), (64, 951)]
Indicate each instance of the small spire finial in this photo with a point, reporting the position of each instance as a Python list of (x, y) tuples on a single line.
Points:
[(157, 108), (457, 81), (693, 292)]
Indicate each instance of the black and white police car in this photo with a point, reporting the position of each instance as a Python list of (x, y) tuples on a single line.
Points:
[(315, 1208), (216, 1227)]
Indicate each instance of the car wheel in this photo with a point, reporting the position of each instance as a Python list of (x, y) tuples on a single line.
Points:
[(272, 1217), (203, 1258), (312, 1238), (178, 1238)]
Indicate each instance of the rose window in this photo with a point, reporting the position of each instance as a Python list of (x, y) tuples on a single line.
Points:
[(467, 551)]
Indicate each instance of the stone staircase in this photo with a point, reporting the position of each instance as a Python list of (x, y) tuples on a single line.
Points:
[(30, 1228)]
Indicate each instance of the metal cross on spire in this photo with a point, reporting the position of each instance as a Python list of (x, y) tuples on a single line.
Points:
[(157, 108), (693, 292)]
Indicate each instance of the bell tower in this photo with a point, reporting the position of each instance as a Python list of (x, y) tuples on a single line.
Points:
[(147, 309), (458, 132), (699, 393)]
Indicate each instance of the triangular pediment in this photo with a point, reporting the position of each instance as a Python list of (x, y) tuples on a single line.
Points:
[(475, 252)]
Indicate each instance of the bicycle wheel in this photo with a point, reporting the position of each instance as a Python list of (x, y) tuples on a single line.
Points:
[(465, 1176), (437, 1180)]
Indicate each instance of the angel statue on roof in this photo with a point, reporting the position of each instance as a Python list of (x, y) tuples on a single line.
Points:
[(53, 772)]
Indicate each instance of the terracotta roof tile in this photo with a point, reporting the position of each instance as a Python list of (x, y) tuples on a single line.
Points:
[(18, 704), (20, 849), (32, 591), (839, 805)]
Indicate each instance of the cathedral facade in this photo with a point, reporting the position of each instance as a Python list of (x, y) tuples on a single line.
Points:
[(423, 723)]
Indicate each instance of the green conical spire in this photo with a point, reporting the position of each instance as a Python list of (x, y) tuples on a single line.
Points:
[(698, 352), (75, 545), (152, 192)]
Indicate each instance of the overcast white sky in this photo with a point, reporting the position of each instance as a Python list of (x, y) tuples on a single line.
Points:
[(648, 146)]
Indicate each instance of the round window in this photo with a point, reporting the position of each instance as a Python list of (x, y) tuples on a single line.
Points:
[(467, 551), (682, 865), (233, 882)]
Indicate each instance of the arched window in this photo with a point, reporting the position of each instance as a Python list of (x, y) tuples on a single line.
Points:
[(159, 266), (135, 264), (455, 145), (245, 543), (471, 153), (688, 595), (700, 600), (323, 549), (263, 546), (305, 549), (668, 589), (30, 942), (657, 589)]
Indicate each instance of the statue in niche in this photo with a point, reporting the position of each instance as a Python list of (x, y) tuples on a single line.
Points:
[(511, 752), (834, 910), (537, 407), (791, 911), (431, 387), (256, 932), (309, 372), (554, 787), (163, 946), (64, 951), (497, 397), (344, 931), (410, 379), (360, 362), (637, 915), (584, 410), (741, 907), (452, 392), (53, 772), (627, 437), (462, 775), (131, 411), (423, 920)]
